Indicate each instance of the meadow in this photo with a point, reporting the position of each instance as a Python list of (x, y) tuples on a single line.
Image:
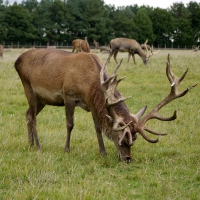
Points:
[(167, 170)]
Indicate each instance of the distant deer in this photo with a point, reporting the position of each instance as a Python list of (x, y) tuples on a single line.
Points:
[(96, 44), (195, 48), (101, 48), (128, 45), (79, 45), (1, 51), (60, 78)]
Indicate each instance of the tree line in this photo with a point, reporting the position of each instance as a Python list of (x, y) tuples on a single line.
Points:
[(58, 22)]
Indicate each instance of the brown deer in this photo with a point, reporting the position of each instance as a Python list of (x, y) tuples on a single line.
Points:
[(128, 45), (80, 45), (60, 78), (101, 48), (96, 44), (195, 49), (1, 51)]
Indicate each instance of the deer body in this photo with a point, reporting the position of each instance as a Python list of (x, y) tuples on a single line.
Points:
[(60, 78), (127, 45)]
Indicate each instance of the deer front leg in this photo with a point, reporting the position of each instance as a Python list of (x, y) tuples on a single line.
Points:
[(99, 137), (69, 111)]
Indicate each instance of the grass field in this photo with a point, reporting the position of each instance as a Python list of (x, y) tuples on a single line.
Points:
[(167, 170)]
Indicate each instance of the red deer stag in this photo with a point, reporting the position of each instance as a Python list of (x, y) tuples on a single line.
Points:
[(60, 78), (80, 45), (128, 45), (1, 51)]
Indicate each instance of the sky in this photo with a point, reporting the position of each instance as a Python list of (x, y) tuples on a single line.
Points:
[(153, 3)]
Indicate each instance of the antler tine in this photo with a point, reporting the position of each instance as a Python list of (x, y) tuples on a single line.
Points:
[(108, 87), (115, 71), (173, 94)]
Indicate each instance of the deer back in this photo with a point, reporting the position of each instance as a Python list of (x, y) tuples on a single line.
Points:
[(55, 75), (81, 45)]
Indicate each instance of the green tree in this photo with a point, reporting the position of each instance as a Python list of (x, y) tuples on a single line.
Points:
[(19, 24), (162, 26), (144, 27), (194, 10), (3, 29), (123, 23), (182, 34), (90, 18)]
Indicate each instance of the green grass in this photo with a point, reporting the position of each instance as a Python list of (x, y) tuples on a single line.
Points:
[(167, 170)]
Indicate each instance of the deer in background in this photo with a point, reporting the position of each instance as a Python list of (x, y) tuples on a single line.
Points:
[(101, 48), (195, 49), (1, 51), (128, 45), (96, 44), (79, 45), (60, 78)]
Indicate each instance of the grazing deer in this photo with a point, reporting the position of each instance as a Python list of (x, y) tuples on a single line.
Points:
[(101, 48), (128, 45), (195, 49), (1, 51), (60, 78), (80, 45), (96, 44)]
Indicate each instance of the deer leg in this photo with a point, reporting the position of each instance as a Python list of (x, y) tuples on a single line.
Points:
[(35, 106), (29, 127), (31, 124), (110, 55), (133, 56), (99, 137), (129, 55), (115, 56), (69, 111)]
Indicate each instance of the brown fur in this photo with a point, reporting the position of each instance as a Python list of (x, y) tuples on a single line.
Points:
[(80, 45), (144, 48), (1, 51), (60, 78), (126, 45)]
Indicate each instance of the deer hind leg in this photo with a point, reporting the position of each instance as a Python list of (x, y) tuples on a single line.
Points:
[(69, 111), (115, 56), (35, 106), (99, 137), (110, 55), (31, 123)]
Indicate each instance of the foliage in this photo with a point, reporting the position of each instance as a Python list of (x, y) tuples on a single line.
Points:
[(61, 21), (169, 169)]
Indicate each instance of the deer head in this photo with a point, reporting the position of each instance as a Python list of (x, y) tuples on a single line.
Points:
[(125, 133)]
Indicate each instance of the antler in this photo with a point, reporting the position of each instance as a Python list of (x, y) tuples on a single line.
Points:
[(174, 94), (108, 87), (151, 50)]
